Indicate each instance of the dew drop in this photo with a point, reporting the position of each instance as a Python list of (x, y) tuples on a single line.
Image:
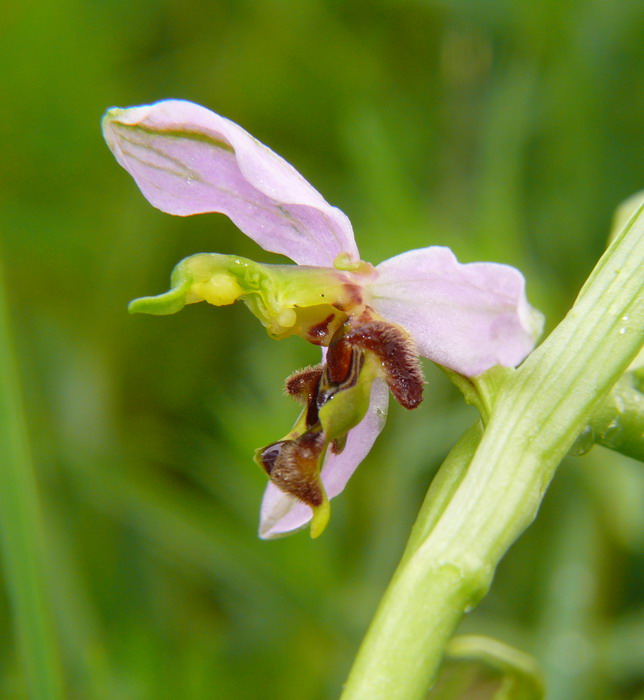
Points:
[(611, 437), (583, 443)]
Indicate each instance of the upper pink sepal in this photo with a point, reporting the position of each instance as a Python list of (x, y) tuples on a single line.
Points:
[(468, 317), (189, 160)]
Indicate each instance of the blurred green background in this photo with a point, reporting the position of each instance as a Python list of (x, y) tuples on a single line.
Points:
[(507, 130)]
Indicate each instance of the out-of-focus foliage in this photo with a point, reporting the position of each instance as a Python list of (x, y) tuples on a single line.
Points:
[(508, 131)]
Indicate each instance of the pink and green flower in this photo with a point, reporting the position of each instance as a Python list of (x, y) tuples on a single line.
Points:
[(372, 322)]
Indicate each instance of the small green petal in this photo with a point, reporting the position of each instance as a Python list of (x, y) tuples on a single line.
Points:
[(163, 304)]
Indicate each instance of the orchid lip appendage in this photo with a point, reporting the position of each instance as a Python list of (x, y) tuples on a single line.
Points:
[(373, 321)]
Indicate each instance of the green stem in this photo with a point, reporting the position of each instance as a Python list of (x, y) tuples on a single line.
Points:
[(618, 422), (489, 496), (22, 533)]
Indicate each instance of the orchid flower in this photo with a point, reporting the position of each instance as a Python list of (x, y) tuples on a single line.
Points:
[(372, 322)]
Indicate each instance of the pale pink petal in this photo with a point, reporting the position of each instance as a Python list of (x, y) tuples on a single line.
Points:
[(189, 160), (282, 514), (468, 317)]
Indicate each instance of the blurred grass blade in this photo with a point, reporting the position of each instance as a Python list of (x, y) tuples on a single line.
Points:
[(21, 533), (522, 678)]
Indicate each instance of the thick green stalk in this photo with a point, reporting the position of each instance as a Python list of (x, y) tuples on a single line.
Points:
[(487, 495), (21, 534)]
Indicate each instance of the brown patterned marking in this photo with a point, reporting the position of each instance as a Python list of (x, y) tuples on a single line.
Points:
[(366, 316), (321, 330), (396, 352), (293, 466), (353, 294)]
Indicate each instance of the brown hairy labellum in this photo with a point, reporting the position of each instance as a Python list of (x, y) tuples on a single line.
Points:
[(293, 466)]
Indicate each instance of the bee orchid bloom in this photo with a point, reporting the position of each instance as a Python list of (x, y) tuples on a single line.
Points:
[(371, 322)]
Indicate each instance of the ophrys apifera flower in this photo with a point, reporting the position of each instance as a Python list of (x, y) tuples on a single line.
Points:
[(372, 322)]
